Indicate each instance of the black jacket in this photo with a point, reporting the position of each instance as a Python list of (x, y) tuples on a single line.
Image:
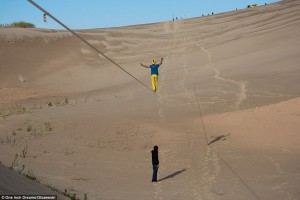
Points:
[(155, 160)]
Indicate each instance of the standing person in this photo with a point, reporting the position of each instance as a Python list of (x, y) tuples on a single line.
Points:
[(155, 163), (154, 72)]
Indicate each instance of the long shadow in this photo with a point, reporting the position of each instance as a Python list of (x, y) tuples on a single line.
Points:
[(172, 175), (218, 138)]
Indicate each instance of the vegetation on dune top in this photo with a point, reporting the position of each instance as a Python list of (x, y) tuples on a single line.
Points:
[(20, 24)]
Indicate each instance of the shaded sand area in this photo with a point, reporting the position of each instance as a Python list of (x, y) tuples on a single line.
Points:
[(226, 116)]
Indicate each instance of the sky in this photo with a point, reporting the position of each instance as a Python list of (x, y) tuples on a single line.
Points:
[(89, 14)]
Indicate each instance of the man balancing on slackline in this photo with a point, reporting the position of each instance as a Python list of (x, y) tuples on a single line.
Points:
[(154, 72)]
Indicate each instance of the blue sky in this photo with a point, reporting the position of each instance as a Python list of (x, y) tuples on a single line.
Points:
[(87, 14)]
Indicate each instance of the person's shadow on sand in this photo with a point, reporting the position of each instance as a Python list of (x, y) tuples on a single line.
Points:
[(218, 138), (172, 175)]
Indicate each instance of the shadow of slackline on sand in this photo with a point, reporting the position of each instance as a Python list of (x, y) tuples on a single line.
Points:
[(218, 138), (172, 175)]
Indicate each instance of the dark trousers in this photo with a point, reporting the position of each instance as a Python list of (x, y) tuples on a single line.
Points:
[(154, 175)]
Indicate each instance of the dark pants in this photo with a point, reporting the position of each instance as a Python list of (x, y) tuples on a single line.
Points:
[(154, 175)]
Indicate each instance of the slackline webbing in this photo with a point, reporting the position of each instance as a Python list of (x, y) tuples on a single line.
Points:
[(86, 42)]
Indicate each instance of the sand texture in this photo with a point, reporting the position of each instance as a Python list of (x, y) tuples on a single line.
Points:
[(226, 116)]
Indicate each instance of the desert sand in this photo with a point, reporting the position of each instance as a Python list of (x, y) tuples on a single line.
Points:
[(226, 116)]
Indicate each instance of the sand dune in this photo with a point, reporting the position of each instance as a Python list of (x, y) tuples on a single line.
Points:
[(225, 117)]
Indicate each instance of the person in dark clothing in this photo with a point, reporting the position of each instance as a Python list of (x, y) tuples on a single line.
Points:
[(155, 163)]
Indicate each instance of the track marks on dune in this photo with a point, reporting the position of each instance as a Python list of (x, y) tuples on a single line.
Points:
[(157, 192), (242, 94), (199, 159), (280, 173), (85, 51), (203, 161)]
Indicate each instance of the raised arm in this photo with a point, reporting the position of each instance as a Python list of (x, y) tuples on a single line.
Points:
[(161, 61), (146, 66)]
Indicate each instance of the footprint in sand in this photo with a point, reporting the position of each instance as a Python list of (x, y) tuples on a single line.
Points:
[(158, 191), (21, 78), (94, 41), (85, 51)]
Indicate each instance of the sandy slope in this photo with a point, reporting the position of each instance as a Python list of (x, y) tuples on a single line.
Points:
[(225, 118), (12, 183)]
